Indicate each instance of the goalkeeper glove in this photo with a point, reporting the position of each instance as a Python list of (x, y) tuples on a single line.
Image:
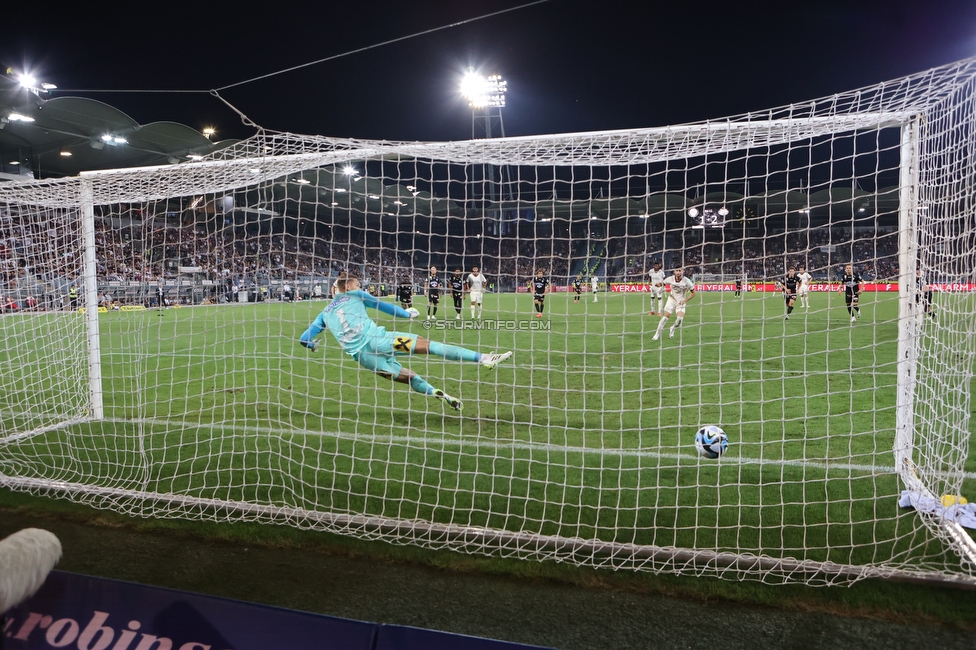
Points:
[(414, 313), (309, 344)]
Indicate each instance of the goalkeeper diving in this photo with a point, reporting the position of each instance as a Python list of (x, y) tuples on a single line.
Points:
[(376, 349)]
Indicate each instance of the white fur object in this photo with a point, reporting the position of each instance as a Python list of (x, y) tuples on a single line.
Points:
[(26, 557)]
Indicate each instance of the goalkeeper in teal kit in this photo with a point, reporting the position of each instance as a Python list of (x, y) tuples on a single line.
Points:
[(376, 349)]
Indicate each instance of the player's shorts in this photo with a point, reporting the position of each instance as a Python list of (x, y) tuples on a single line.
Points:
[(802, 290), (657, 292), (379, 355), (538, 297), (578, 290), (789, 297), (476, 297), (458, 299), (673, 305), (406, 302), (850, 298), (434, 298)]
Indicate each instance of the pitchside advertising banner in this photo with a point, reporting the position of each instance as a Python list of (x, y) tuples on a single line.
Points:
[(85, 613), (643, 287), (637, 287)]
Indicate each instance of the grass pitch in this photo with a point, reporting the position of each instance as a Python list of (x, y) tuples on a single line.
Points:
[(586, 432)]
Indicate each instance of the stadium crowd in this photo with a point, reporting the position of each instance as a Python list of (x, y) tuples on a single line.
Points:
[(44, 256)]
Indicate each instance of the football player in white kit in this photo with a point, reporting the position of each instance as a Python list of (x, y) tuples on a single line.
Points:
[(476, 286), (594, 286), (803, 291), (682, 290), (657, 288)]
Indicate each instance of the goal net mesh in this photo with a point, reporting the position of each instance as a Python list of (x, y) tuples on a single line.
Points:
[(182, 391)]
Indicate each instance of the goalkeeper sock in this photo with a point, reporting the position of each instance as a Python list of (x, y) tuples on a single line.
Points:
[(418, 384), (452, 352)]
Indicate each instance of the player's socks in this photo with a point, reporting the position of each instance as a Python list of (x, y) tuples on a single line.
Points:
[(472, 312), (789, 310), (418, 384), (660, 326), (453, 352)]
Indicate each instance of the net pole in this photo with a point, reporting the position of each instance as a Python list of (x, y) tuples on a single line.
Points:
[(89, 271)]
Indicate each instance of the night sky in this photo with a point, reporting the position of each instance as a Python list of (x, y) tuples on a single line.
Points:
[(571, 65)]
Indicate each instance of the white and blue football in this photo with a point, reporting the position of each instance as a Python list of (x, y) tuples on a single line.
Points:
[(711, 441)]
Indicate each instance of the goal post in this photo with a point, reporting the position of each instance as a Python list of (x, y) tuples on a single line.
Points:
[(907, 308), (90, 285), (183, 391)]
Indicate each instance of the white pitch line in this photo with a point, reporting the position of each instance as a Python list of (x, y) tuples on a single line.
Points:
[(524, 446)]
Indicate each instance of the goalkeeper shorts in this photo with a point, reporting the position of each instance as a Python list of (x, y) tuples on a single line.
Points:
[(379, 355)]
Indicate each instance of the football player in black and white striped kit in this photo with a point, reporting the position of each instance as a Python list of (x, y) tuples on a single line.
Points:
[(850, 284)]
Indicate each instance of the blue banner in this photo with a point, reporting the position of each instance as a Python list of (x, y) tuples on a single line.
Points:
[(85, 613)]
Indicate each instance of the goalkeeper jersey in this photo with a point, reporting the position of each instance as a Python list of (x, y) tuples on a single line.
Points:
[(348, 321)]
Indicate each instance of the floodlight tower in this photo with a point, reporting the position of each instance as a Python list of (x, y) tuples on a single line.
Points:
[(486, 97)]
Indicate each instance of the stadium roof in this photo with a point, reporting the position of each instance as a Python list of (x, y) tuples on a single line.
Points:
[(66, 135), (35, 133)]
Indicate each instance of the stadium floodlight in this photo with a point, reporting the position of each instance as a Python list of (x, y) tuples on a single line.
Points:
[(481, 91), (113, 140), (30, 83), (486, 97), (209, 132), (18, 117)]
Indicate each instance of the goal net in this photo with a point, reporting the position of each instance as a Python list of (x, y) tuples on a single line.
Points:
[(181, 389)]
